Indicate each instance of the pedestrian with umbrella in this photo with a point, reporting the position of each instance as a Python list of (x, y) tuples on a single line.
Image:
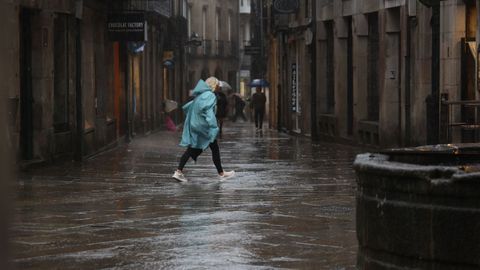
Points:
[(258, 105), (258, 101), (200, 128)]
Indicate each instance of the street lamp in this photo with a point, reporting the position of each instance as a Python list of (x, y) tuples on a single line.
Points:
[(194, 40), (191, 46)]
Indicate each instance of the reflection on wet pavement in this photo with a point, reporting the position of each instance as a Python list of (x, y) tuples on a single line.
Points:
[(290, 206)]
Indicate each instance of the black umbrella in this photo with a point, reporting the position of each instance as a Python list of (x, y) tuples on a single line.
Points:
[(259, 83)]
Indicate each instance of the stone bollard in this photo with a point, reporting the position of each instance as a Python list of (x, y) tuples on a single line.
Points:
[(419, 208)]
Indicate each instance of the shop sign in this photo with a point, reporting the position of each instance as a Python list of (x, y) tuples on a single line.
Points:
[(294, 88), (252, 50), (285, 6), (127, 27), (245, 73)]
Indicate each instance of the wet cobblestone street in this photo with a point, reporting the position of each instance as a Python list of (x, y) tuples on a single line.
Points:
[(290, 206)]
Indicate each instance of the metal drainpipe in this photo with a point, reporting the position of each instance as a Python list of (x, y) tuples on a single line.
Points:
[(313, 69)]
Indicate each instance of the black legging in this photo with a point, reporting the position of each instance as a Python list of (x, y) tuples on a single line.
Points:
[(194, 153), (259, 117)]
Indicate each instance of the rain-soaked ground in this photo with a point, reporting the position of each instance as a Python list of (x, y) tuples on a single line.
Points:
[(290, 206)]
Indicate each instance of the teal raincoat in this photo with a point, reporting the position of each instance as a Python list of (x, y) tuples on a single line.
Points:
[(200, 127)]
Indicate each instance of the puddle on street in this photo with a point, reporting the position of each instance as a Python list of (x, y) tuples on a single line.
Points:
[(290, 205)]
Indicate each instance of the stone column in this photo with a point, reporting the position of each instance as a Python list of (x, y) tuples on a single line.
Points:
[(341, 68)]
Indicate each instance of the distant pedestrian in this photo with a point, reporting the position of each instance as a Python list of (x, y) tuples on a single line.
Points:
[(221, 112), (258, 105), (239, 107), (168, 107), (231, 104), (200, 128)]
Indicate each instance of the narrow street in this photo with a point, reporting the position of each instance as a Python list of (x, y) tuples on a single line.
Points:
[(290, 206)]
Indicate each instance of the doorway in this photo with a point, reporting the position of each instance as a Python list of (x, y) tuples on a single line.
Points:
[(61, 71), (26, 91), (350, 77), (469, 62)]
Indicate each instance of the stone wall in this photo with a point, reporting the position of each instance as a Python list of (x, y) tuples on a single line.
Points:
[(101, 97), (212, 63), (8, 82), (400, 121)]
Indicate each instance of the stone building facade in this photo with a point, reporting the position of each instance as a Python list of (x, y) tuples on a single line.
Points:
[(216, 23), (386, 72), (72, 90), (7, 80), (244, 40)]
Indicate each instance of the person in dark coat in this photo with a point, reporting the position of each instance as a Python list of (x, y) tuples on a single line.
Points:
[(258, 104), (239, 106), (221, 112)]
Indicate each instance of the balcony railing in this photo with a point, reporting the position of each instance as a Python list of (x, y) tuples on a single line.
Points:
[(234, 49), (246, 43), (219, 48), (162, 7), (231, 49), (207, 47), (228, 48), (461, 118)]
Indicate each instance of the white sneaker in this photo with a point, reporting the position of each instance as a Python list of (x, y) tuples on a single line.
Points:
[(227, 175), (179, 176)]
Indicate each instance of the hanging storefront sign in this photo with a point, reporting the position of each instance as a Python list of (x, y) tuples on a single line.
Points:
[(127, 27), (294, 100), (285, 6)]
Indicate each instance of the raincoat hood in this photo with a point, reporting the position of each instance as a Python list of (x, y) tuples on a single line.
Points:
[(200, 127), (201, 88)]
